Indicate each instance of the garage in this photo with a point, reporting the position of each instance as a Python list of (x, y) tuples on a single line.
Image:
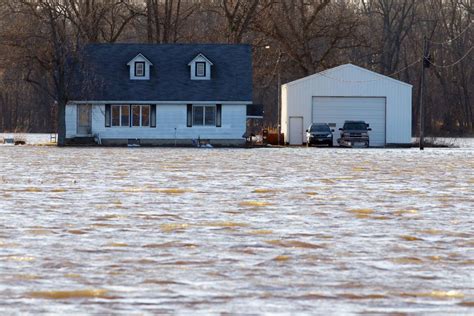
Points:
[(348, 92)]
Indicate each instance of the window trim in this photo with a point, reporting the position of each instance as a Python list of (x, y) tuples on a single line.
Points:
[(204, 75), (144, 70)]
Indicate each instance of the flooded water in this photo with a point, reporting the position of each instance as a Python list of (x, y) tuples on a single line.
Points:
[(258, 231)]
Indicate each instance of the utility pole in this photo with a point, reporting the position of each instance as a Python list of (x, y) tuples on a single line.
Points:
[(424, 64), (279, 106)]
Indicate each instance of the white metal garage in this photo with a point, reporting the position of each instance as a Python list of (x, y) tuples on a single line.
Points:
[(343, 93)]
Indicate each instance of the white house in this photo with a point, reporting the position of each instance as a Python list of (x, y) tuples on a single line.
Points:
[(348, 92), (161, 94)]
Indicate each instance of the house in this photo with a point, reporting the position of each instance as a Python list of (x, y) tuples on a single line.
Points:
[(161, 94), (348, 92)]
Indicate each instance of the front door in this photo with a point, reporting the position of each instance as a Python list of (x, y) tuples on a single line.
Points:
[(84, 119), (296, 131)]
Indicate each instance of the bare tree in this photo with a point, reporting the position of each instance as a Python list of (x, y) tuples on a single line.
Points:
[(165, 18), (450, 44), (99, 20), (395, 19), (46, 43), (238, 15), (309, 32)]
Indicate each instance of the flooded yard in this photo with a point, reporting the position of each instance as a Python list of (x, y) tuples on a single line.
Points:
[(210, 231)]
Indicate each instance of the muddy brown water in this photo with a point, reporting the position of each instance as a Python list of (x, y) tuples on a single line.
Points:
[(259, 231)]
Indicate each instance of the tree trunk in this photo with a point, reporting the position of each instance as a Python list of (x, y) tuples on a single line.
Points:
[(61, 118), (149, 21)]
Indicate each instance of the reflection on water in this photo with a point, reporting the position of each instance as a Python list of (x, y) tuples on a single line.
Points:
[(297, 230)]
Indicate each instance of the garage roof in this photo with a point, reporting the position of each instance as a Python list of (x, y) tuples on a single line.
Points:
[(366, 76)]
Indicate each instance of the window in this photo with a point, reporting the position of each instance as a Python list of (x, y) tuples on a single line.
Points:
[(124, 115), (200, 69), (198, 116), (140, 115), (135, 115), (204, 115), (130, 115), (139, 69), (145, 115), (120, 115), (210, 116)]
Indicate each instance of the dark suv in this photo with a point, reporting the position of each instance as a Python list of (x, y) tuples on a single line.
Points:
[(354, 134), (319, 134)]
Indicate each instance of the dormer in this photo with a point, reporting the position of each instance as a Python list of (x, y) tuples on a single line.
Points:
[(200, 68), (139, 68)]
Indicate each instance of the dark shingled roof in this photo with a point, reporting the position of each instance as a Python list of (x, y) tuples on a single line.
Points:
[(107, 74)]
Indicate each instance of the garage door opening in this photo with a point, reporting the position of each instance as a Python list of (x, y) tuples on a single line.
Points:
[(336, 110)]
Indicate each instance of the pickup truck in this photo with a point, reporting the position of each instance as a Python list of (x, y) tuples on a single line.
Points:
[(354, 134)]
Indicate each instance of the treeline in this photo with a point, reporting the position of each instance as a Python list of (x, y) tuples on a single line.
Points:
[(290, 38)]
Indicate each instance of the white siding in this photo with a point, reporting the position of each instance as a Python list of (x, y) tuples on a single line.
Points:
[(297, 97), (71, 120), (170, 117)]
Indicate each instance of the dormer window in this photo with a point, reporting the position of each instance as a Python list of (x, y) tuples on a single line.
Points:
[(139, 68), (200, 68)]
